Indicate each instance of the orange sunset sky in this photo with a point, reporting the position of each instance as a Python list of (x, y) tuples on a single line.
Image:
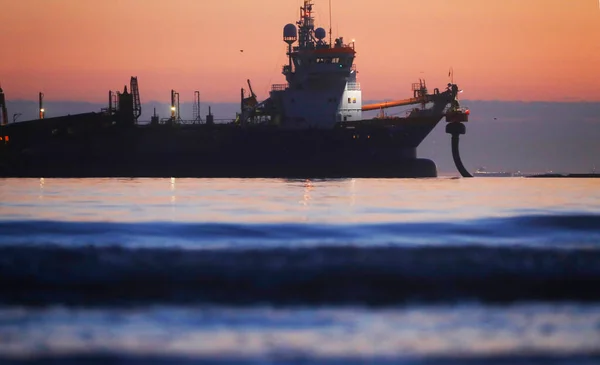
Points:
[(499, 49)]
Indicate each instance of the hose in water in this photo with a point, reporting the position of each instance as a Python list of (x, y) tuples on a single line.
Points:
[(456, 156), (456, 129)]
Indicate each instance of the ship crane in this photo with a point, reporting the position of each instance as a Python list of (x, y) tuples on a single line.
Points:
[(249, 106), (135, 92), (252, 94), (395, 103)]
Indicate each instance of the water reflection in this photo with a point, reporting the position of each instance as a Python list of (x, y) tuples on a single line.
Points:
[(352, 192), (41, 194), (274, 201), (308, 187)]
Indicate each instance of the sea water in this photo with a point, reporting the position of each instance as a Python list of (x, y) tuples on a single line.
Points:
[(252, 271)]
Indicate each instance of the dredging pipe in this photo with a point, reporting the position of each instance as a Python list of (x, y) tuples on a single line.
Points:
[(455, 129)]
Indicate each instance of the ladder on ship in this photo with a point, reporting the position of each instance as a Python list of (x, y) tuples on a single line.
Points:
[(135, 92)]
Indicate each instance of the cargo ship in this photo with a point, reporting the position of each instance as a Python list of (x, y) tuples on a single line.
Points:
[(311, 126)]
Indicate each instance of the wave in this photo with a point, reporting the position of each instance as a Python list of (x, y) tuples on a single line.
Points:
[(566, 231), (575, 359), (351, 275)]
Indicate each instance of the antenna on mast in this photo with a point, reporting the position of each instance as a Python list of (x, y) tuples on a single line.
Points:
[(330, 23)]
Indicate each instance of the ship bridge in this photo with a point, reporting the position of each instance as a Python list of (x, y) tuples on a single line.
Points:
[(321, 84), (309, 52), (321, 87), (328, 60)]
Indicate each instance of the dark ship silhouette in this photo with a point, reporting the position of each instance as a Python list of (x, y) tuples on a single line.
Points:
[(310, 127)]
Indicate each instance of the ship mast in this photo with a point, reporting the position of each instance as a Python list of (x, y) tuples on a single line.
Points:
[(330, 33), (3, 111), (317, 72), (306, 25)]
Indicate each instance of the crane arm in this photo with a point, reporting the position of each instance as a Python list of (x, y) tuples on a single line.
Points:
[(391, 104), (250, 88)]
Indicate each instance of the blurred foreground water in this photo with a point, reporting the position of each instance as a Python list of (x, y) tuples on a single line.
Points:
[(442, 271)]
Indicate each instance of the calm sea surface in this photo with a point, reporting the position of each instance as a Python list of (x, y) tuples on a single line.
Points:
[(227, 271)]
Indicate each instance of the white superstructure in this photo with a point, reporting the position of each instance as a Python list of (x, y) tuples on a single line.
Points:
[(321, 88)]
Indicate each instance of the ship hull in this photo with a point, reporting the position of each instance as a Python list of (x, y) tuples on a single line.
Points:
[(100, 149), (408, 168)]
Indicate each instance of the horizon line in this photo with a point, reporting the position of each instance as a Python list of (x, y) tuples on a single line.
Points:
[(366, 100)]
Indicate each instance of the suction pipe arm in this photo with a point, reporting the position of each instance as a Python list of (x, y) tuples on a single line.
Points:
[(456, 129)]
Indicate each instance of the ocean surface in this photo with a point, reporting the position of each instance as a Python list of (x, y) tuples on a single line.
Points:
[(251, 271)]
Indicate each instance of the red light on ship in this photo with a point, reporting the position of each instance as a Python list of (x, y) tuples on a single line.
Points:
[(458, 116)]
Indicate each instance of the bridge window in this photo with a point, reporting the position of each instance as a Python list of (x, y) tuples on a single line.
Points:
[(330, 60)]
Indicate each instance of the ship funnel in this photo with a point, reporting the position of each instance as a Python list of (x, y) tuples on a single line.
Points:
[(290, 34)]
